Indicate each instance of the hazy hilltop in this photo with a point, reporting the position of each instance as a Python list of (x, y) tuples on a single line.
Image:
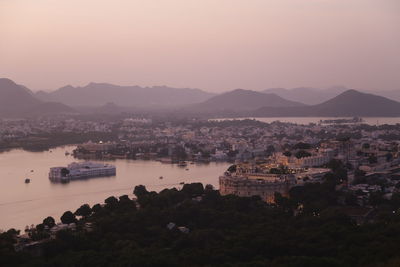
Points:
[(348, 103), (17, 100), (355, 103), (99, 94), (307, 95), (314, 96), (12, 95), (242, 100), (393, 94)]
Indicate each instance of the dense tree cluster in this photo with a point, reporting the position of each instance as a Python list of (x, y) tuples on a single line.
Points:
[(207, 229)]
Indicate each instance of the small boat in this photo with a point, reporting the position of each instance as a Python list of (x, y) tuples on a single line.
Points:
[(31, 170), (182, 164), (27, 180), (66, 153), (161, 177), (187, 169)]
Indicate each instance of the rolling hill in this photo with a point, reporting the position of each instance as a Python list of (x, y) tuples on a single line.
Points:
[(242, 100), (14, 96), (307, 95), (99, 94), (349, 103), (18, 101)]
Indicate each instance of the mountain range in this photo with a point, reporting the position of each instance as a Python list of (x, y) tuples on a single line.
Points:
[(314, 96), (98, 94), (100, 98), (240, 100), (307, 95), (17, 100), (347, 104)]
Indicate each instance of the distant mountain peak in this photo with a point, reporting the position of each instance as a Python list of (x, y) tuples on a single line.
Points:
[(242, 100), (67, 87), (98, 94), (352, 91), (7, 82)]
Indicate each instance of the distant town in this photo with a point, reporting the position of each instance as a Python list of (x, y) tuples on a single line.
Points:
[(286, 153)]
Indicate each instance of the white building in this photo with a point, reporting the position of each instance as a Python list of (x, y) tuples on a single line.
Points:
[(80, 170)]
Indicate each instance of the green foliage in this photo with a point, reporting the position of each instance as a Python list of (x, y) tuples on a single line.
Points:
[(83, 210), (302, 154), (302, 145), (193, 189), (49, 221), (372, 159), (224, 231), (365, 146), (140, 191), (68, 217), (232, 168)]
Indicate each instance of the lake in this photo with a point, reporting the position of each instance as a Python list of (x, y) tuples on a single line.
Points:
[(25, 204), (307, 120)]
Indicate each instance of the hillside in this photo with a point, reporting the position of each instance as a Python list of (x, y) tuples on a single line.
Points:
[(14, 96), (307, 95), (242, 100), (196, 226), (18, 101), (99, 94), (349, 103), (48, 108)]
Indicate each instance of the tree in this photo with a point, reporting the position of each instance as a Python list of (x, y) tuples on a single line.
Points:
[(180, 153), (389, 157), (209, 187), (270, 149), (83, 210), (232, 168), (302, 154), (111, 201), (49, 222), (40, 227), (96, 208), (68, 217), (372, 159), (365, 146), (302, 145), (140, 191), (193, 189), (287, 153)]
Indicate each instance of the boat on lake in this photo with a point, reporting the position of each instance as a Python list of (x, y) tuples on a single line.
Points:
[(182, 164), (27, 180), (81, 170)]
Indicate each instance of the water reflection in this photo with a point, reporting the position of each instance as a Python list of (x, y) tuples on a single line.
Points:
[(22, 204)]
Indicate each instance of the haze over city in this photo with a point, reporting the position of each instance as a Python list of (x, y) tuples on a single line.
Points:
[(213, 45), (200, 133)]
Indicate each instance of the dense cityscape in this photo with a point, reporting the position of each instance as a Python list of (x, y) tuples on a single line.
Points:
[(199, 133), (275, 163)]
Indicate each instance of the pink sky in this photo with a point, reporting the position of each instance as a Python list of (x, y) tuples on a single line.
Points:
[(216, 45)]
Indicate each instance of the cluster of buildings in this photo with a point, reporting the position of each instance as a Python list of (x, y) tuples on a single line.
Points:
[(370, 150), (265, 179), (11, 129)]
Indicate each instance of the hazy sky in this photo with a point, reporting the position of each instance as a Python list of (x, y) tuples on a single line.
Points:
[(216, 45)]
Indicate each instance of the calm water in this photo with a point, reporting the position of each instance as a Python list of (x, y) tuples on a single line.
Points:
[(307, 120), (24, 204)]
